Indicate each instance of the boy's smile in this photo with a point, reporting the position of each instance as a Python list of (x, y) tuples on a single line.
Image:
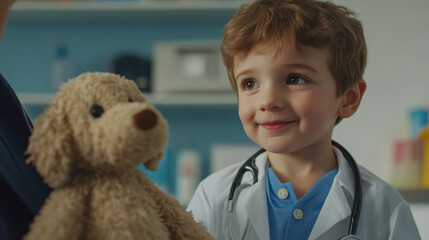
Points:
[(276, 125), (287, 99)]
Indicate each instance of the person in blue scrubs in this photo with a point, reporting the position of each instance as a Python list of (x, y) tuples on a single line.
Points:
[(22, 190)]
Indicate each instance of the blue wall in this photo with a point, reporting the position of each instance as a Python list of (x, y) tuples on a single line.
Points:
[(27, 53)]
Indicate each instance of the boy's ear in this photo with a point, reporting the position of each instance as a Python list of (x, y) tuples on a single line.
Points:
[(351, 99)]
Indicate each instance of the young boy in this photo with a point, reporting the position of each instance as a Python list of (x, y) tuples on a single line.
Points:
[(297, 69)]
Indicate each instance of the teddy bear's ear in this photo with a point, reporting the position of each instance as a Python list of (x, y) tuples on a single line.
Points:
[(50, 147)]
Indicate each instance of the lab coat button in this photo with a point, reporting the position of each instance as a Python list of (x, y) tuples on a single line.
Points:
[(298, 214), (282, 193)]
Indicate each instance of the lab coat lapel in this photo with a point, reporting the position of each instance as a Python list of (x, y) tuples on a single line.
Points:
[(256, 202), (336, 206)]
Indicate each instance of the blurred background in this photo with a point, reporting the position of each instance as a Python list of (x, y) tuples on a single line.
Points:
[(170, 48)]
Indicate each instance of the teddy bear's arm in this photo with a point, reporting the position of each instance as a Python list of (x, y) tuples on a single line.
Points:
[(179, 222), (61, 217)]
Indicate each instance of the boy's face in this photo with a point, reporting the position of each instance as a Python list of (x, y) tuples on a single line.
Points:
[(289, 102)]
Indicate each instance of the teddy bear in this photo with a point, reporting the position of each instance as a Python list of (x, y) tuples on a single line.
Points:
[(86, 145)]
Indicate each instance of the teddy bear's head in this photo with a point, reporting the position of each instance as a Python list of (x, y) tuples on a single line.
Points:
[(97, 122)]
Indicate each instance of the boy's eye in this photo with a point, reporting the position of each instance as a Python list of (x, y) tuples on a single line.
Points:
[(295, 80), (250, 84)]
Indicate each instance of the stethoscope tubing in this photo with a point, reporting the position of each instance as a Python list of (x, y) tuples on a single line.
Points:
[(249, 166), (357, 202)]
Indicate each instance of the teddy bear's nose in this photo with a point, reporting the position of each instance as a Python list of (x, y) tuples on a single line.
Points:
[(145, 119)]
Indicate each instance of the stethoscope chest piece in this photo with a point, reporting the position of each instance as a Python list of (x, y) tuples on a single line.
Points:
[(350, 237)]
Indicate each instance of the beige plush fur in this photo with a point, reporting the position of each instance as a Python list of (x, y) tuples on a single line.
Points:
[(86, 145)]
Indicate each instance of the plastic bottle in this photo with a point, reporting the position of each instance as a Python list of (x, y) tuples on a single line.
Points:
[(188, 174), (407, 164), (62, 68)]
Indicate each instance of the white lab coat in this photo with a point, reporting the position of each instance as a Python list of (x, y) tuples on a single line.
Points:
[(384, 215)]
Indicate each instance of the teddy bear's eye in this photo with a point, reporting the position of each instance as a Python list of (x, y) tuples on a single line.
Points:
[(130, 100), (97, 111)]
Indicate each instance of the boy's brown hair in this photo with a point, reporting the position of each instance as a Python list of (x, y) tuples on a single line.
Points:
[(308, 22)]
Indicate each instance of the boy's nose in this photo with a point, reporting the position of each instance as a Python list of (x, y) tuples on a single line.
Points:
[(271, 100)]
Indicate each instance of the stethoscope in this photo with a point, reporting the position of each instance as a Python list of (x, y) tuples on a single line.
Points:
[(249, 166)]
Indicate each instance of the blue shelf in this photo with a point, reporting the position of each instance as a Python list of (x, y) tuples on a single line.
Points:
[(170, 99)]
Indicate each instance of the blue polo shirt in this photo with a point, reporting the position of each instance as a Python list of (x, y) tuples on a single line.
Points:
[(290, 218)]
